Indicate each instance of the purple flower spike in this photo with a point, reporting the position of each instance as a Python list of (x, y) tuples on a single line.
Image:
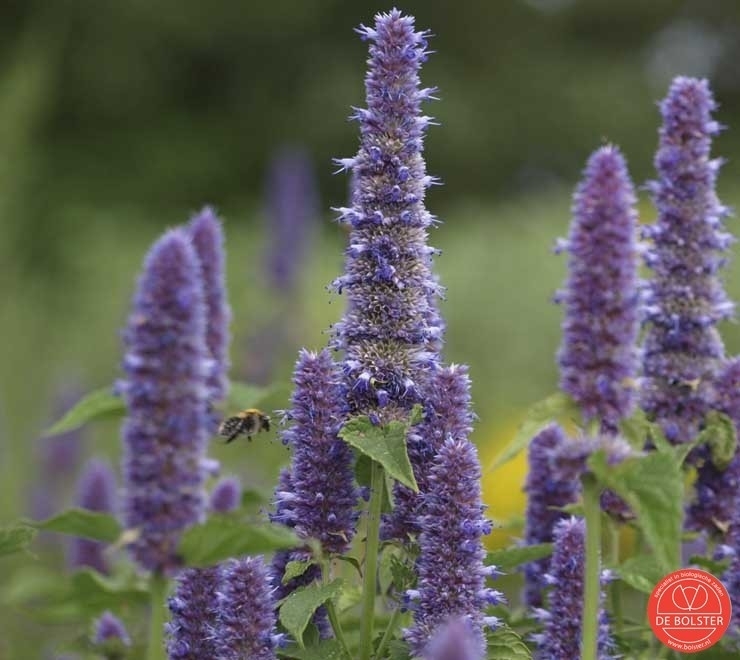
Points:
[(292, 209), (452, 577), (284, 515), (246, 608), (598, 358), (207, 236), (546, 493), (561, 639), (391, 332), (226, 495), (108, 628), (685, 299), (447, 413), (166, 431), (191, 632), (320, 502), (718, 491), (96, 491), (454, 641)]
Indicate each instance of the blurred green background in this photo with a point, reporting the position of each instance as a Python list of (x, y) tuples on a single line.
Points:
[(119, 119)]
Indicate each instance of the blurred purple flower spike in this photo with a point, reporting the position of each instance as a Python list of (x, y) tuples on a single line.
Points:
[(685, 299), (167, 393), (598, 357), (96, 491)]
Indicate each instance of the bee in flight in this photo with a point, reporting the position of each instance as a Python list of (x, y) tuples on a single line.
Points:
[(248, 422)]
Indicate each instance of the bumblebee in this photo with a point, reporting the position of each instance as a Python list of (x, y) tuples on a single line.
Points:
[(248, 422)]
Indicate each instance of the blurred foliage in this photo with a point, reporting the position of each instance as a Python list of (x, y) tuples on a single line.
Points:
[(164, 105)]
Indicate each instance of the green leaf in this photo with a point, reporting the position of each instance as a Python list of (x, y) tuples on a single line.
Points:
[(505, 644), (299, 607), (98, 404), (555, 407), (515, 556), (294, 569), (352, 561), (652, 486), (417, 414), (82, 523), (642, 572), (721, 437), (76, 597), (384, 444), (15, 538), (328, 649), (639, 431), (222, 536), (712, 566)]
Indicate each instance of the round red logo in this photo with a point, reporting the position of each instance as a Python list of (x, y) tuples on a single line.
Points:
[(689, 610)]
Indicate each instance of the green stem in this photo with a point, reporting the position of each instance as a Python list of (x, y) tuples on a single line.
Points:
[(332, 612), (158, 586), (388, 635), (615, 586), (592, 586), (372, 543)]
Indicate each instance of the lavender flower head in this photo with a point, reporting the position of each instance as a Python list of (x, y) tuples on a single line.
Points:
[(226, 495), (96, 491), (451, 574), (718, 491), (320, 500), (598, 358), (246, 607), (453, 641), (284, 515), (166, 431), (561, 639), (207, 236), (109, 627), (546, 493), (191, 632), (292, 209), (447, 414), (685, 299), (391, 332)]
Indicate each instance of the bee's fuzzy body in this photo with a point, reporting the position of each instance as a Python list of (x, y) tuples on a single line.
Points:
[(248, 422)]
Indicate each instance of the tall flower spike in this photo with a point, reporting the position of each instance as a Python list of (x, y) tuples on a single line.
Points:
[(284, 515), (547, 493), (718, 491), (451, 574), (166, 391), (320, 502), (391, 332), (447, 413), (207, 236), (685, 299), (561, 639), (246, 609), (96, 491), (453, 641), (598, 357), (292, 209), (192, 629)]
